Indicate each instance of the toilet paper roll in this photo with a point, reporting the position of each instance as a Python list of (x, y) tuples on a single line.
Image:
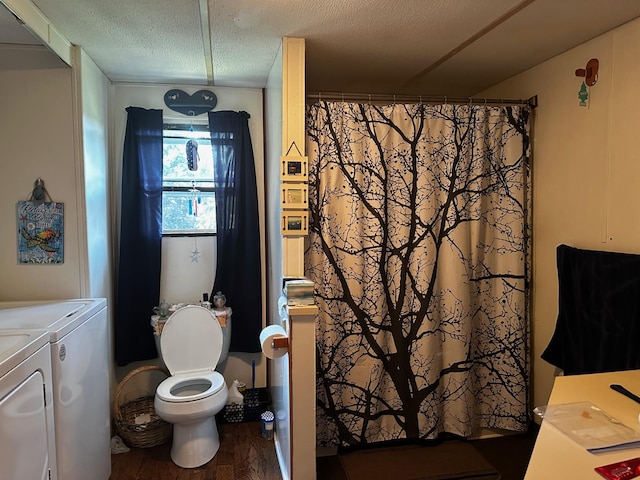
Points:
[(266, 341)]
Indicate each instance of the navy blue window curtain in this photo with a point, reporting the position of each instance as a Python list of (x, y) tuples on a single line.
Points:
[(138, 276), (238, 271)]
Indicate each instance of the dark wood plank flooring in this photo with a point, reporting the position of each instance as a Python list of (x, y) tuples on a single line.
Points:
[(508, 454), (245, 455)]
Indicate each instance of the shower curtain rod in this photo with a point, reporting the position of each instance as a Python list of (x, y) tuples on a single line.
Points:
[(404, 98)]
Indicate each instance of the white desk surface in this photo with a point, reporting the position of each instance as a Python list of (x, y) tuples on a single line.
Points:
[(555, 456)]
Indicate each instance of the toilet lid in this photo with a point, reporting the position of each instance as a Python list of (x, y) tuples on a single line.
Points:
[(191, 340)]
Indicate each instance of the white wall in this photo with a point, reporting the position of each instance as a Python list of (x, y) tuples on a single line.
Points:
[(37, 141), (181, 279), (93, 176), (95, 242), (301, 320), (293, 376), (279, 368), (585, 166)]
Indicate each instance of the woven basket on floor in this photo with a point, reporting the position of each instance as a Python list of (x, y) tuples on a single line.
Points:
[(140, 435)]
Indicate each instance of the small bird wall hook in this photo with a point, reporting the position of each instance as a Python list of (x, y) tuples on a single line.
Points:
[(38, 193)]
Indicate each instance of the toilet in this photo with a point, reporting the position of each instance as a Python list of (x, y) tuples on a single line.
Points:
[(191, 345)]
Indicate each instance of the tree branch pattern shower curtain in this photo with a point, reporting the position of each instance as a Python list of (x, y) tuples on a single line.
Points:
[(419, 246)]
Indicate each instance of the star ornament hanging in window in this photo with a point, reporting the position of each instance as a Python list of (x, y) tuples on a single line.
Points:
[(195, 255)]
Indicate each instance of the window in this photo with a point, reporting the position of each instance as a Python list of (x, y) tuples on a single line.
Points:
[(188, 196)]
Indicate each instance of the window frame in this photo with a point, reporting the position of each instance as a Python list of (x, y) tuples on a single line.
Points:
[(184, 127)]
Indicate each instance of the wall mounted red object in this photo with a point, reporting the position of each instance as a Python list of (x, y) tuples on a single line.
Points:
[(590, 72)]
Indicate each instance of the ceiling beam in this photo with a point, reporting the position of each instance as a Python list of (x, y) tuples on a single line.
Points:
[(205, 27), (503, 18)]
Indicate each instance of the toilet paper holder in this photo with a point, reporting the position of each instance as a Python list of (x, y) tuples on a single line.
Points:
[(280, 342), (274, 341)]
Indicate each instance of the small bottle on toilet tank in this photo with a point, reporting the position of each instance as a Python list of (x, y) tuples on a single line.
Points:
[(205, 301)]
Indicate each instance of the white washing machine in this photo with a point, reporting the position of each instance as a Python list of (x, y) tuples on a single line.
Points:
[(79, 350), (27, 443)]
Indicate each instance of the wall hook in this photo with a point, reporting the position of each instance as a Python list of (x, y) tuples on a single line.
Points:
[(590, 72), (39, 193)]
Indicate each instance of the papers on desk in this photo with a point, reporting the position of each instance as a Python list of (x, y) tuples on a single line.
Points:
[(590, 427)]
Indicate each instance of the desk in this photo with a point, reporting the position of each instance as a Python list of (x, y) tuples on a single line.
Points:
[(557, 456)]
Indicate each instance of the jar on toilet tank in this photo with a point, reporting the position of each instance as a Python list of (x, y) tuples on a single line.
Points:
[(220, 310)]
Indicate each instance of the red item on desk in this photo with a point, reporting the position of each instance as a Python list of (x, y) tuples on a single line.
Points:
[(620, 470)]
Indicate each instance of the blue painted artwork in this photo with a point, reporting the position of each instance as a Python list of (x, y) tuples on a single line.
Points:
[(40, 232)]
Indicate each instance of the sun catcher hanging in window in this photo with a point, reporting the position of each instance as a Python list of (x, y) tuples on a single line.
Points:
[(188, 196)]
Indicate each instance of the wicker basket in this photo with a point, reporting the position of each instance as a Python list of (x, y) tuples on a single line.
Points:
[(140, 435)]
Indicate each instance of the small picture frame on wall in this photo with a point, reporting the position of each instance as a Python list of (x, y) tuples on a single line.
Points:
[(294, 195), (294, 169), (40, 233), (295, 222)]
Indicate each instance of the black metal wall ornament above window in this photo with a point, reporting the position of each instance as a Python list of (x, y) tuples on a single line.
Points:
[(192, 105)]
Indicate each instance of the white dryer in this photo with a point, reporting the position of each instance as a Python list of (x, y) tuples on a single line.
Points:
[(79, 344), (27, 443)]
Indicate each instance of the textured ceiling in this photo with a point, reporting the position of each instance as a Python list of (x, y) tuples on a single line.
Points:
[(428, 47)]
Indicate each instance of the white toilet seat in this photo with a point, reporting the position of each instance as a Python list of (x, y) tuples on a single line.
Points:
[(191, 341), (166, 389)]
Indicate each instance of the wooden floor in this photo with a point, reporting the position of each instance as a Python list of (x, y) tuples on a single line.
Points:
[(243, 455), (509, 455)]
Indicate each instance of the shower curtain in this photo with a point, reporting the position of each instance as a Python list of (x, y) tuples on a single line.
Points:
[(419, 245)]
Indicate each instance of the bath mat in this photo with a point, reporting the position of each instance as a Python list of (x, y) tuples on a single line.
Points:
[(452, 460)]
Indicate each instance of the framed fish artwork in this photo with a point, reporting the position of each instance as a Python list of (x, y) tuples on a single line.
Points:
[(40, 233)]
